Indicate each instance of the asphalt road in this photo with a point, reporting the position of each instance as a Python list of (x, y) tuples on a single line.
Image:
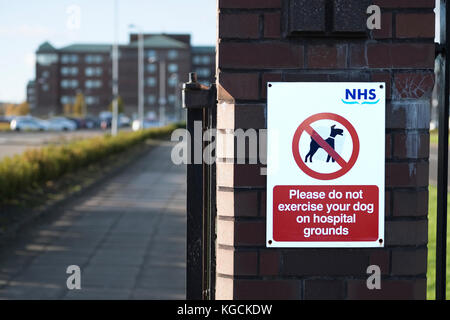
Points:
[(128, 237), (12, 143)]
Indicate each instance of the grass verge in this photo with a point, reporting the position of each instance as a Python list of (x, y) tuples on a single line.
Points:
[(434, 137), (431, 274)]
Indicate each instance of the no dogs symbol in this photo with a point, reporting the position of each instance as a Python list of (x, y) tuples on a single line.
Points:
[(325, 146)]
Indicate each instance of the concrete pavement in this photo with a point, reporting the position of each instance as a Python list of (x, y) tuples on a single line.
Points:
[(128, 238)]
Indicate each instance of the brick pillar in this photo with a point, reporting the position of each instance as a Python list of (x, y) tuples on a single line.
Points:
[(259, 42)]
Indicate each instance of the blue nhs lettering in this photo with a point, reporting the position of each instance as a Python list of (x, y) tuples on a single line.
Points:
[(360, 94)]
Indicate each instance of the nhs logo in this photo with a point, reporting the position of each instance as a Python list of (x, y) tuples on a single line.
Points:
[(360, 96)]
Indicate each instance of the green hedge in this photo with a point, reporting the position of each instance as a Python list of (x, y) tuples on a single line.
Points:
[(38, 166)]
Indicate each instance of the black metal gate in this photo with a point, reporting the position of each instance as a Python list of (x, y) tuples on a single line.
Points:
[(442, 178), (200, 103)]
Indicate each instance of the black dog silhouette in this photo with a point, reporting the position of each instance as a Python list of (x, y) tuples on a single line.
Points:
[(314, 146)]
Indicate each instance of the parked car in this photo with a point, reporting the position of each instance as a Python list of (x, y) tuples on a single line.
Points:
[(91, 123), (147, 124), (60, 124), (78, 121), (123, 121), (105, 115), (26, 124)]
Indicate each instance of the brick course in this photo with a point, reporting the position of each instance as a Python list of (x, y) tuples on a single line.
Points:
[(400, 54)]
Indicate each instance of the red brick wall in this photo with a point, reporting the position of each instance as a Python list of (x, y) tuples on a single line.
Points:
[(253, 48)]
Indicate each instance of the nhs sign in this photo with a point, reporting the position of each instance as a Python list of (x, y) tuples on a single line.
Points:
[(360, 96)]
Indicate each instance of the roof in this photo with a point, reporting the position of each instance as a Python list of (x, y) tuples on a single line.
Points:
[(46, 47), (204, 49), (155, 41), (87, 47), (161, 41)]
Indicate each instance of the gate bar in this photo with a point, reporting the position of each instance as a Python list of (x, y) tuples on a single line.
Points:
[(442, 178)]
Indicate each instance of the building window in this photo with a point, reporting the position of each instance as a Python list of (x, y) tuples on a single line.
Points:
[(46, 59), (91, 100), (67, 71), (67, 99), (203, 72), (93, 71), (197, 60), (66, 83), (151, 99), (151, 54), (171, 98), (151, 68), (172, 54), (201, 60), (65, 58), (92, 84), (172, 81), (45, 87), (151, 81), (206, 59), (93, 58), (69, 58), (172, 67)]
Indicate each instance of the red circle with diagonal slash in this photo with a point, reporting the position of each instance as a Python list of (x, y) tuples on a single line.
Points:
[(306, 127)]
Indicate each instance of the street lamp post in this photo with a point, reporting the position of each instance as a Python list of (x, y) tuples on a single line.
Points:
[(162, 88), (140, 76), (115, 75), (162, 92), (178, 108)]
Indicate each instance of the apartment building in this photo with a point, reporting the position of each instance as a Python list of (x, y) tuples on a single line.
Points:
[(62, 73)]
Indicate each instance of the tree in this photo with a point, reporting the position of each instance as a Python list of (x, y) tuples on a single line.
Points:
[(67, 109), (10, 109), (79, 106), (17, 109), (23, 109), (120, 105)]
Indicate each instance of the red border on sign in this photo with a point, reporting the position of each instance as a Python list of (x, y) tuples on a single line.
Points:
[(306, 126)]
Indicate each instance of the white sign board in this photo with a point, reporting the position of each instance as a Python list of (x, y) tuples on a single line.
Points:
[(325, 164)]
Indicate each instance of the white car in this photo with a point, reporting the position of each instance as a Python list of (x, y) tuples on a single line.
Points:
[(60, 124), (147, 124), (26, 124)]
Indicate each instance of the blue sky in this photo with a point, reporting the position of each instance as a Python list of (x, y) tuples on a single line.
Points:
[(25, 24)]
